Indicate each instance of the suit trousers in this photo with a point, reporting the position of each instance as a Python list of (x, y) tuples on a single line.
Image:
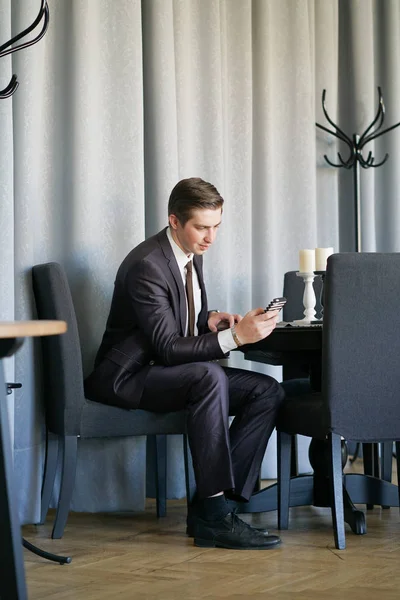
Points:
[(225, 458)]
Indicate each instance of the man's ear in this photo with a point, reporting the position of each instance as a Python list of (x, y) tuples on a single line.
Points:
[(173, 221)]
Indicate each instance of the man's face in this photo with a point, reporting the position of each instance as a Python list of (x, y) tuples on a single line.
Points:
[(199, 232)]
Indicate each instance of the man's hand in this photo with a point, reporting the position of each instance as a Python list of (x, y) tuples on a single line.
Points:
[(256, 325), (217, 321)]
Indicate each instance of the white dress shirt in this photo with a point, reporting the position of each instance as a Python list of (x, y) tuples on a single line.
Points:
[(225, 338)]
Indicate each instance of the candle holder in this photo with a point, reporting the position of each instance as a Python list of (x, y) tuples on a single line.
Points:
[(309, 299), (321, 298)]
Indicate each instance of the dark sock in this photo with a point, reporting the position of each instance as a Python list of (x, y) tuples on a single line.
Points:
[(213, 509)]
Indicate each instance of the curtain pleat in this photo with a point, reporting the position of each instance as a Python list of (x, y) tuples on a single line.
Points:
[(122, 99)]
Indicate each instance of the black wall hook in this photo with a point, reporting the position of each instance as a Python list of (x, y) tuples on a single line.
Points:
[(9, 48)]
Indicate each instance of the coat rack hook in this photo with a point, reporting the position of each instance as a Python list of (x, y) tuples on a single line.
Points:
[(10, 48), (356, 144)]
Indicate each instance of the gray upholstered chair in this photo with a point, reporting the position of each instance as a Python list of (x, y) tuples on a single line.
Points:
[(360, 372), (294, 375), (69, 415)]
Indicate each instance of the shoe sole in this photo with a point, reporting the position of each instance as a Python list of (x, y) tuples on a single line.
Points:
[(214, 544), (190, 534)]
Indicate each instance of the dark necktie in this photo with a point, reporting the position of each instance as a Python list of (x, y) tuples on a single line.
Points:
[(190, 298)]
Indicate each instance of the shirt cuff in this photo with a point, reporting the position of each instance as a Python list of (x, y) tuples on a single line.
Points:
[(226, 341)]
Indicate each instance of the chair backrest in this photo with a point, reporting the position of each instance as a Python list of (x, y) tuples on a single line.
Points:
[(361, 346), (62, 358), (293, 290)]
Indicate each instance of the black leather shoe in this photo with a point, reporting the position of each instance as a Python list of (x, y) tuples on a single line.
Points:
[(232, 533), (190, 526)]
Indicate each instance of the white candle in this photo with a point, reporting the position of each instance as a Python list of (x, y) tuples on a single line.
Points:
[(306, 261), (321, 256)]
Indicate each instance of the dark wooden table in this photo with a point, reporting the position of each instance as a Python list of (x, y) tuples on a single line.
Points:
[(12, 574), (303, 346)]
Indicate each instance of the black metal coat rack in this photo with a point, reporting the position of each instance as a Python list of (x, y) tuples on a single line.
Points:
[(356, 159), (9, 48)]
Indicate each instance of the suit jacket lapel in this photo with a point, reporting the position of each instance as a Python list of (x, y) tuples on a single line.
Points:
[(173, 267)]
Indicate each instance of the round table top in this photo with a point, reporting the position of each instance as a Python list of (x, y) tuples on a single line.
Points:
[(19, 329)]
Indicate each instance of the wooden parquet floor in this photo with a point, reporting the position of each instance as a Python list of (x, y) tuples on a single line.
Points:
[(126, 556)]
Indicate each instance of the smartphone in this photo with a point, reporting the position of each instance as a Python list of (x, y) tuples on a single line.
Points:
[(276, 304)]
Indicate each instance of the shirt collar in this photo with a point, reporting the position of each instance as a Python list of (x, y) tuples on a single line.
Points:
[(181, 257)]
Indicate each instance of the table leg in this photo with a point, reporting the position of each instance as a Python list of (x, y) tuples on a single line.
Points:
[(319, 459), (313, 489), (352, 516), (12, 573), (47, 555)]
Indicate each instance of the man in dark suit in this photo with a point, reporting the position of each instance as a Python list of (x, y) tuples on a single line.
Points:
[(158, 353)]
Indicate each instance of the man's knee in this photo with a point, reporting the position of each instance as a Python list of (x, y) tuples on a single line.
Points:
[(209, 373), (269, 387), (278, 391), (281, 394), (209, 384)]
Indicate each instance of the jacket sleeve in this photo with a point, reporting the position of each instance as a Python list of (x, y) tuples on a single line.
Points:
[(155, 303)]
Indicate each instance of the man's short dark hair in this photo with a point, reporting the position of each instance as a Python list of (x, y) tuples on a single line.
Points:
[(190, 194)]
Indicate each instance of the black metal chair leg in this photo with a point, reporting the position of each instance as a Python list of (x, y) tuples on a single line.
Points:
[(161, 474), (337, 491), (368, 458), (189, 472), (68, 471), (49, 475), (284, 442)]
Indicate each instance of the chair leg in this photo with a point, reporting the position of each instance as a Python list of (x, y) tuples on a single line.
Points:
[(49, 474), (68, 471), (398, 468), (368, 459), (336, 489), (257, 485), (376, 471), (294, 463), (189, 472), (284, 442), (356, 452), (386, 462), (161, 474)]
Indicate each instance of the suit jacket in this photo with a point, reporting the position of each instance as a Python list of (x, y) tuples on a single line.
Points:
[(146, 324)]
